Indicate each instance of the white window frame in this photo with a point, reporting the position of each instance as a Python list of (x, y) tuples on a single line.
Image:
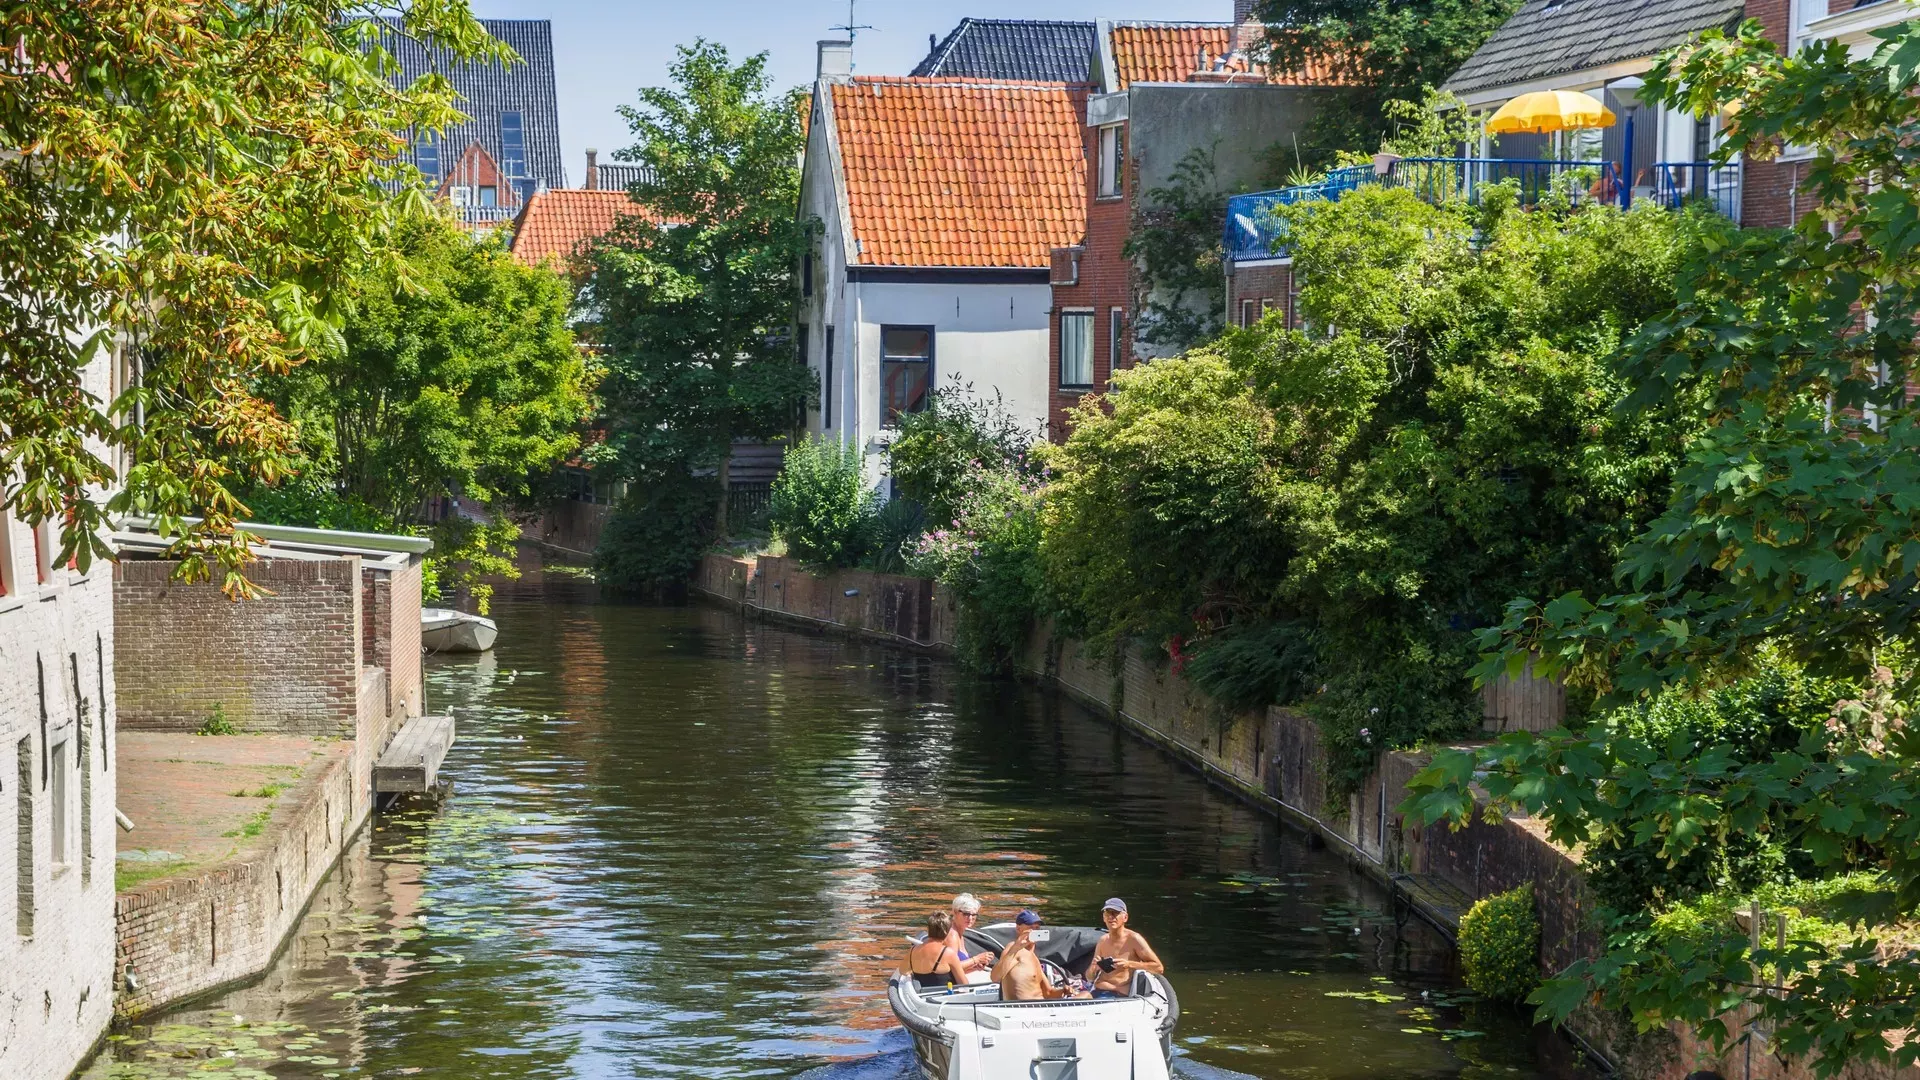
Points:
[(1081, 316), (1108, 184)]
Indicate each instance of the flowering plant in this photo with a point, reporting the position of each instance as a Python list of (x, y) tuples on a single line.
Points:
[(990, 559)]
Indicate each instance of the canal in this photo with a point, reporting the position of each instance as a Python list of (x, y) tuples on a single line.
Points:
[(681, 844)]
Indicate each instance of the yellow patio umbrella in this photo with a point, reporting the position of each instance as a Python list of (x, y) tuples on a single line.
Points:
[(1549, 110)]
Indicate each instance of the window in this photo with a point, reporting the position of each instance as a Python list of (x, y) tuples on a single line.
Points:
[(513, 146), (23, 836), (1111, 158), (46, 545), (800, 344), (1076, 349), (1116, 341), (6, 554), (60, 805), (489, 196), (426, 155), (906, 370), (1248, 310), (826, 394), (84, 731), (806, 274)]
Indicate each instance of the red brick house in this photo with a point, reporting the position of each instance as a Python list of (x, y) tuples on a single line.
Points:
[(1161, 91)]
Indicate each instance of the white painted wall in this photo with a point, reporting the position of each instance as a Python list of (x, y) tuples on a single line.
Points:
[(993, 337), (56, 983)]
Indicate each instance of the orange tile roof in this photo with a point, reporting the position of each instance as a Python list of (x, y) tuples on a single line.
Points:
[(1170, 52), (956, 172), (556, 224)]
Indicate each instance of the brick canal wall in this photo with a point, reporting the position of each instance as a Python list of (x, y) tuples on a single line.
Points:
[(1274, 760), (332, 650), (287, 662), (180, 937), (890, 607)]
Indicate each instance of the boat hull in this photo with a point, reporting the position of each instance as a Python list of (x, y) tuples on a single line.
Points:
[(967, 1033), (443, 630)]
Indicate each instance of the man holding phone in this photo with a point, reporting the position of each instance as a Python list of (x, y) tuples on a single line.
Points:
[(1018, 972), (1119, 953)]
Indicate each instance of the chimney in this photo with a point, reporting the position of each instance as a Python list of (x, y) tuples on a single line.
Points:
[(1249, 30), (836, 60), (932, 43), (593, 169)]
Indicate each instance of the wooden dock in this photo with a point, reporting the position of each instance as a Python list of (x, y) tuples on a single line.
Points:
[(412, 761)]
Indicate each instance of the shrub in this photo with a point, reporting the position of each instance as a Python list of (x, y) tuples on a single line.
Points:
[(894, 531), (1249, 667), (656, 536), (990, 559), (821, 506), (1500, 945), (1162, 501), (938, 447)]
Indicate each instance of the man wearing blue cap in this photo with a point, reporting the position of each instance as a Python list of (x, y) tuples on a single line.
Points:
[(1018, 971), (1119, 953)]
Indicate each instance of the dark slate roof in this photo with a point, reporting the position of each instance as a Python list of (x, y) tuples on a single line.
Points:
[(487, 90), (1015, 49), (621, 177), (1551, 37)]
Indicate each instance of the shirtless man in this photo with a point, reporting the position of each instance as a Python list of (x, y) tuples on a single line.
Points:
[(1119, 953), (1018, 972)]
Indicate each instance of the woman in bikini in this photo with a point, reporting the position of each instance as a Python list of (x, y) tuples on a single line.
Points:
[(933, 963)]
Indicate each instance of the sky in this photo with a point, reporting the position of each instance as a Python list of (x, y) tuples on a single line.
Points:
[(605, 51)]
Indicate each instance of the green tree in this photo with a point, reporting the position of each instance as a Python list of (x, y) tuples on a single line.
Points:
[(1788, 541), (456, 375), (196, 182), (1175, 242), (1393, 50), (1355, 497), (694, 299)]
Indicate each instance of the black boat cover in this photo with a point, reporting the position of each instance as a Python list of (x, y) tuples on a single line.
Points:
[(1071, 947)]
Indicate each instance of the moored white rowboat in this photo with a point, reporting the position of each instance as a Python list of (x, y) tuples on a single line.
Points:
[(447, 630)]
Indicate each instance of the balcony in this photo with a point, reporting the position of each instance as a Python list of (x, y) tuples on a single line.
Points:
[(1677, 183), (1255, 231)]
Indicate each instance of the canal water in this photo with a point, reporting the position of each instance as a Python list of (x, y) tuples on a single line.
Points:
[(682, 844)]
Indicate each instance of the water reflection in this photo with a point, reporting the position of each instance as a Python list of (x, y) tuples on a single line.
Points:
[(685, 845)]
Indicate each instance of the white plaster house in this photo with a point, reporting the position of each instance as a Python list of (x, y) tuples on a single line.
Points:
[(939, 200), (56, 794)]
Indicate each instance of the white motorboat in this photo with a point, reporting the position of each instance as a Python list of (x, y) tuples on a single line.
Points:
[(447, 630), (968, 1033)]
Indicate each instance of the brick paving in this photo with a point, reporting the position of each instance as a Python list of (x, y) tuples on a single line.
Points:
[(180, 790)]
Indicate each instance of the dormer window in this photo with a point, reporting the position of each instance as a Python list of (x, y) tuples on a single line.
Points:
[(513, 145), (426, 156)]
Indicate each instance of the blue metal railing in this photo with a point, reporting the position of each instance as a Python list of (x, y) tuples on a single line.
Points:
[(1254, 231), (1537, 179), (1718, 186)]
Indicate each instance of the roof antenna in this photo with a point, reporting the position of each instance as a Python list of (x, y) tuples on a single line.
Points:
[(852, 27)]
